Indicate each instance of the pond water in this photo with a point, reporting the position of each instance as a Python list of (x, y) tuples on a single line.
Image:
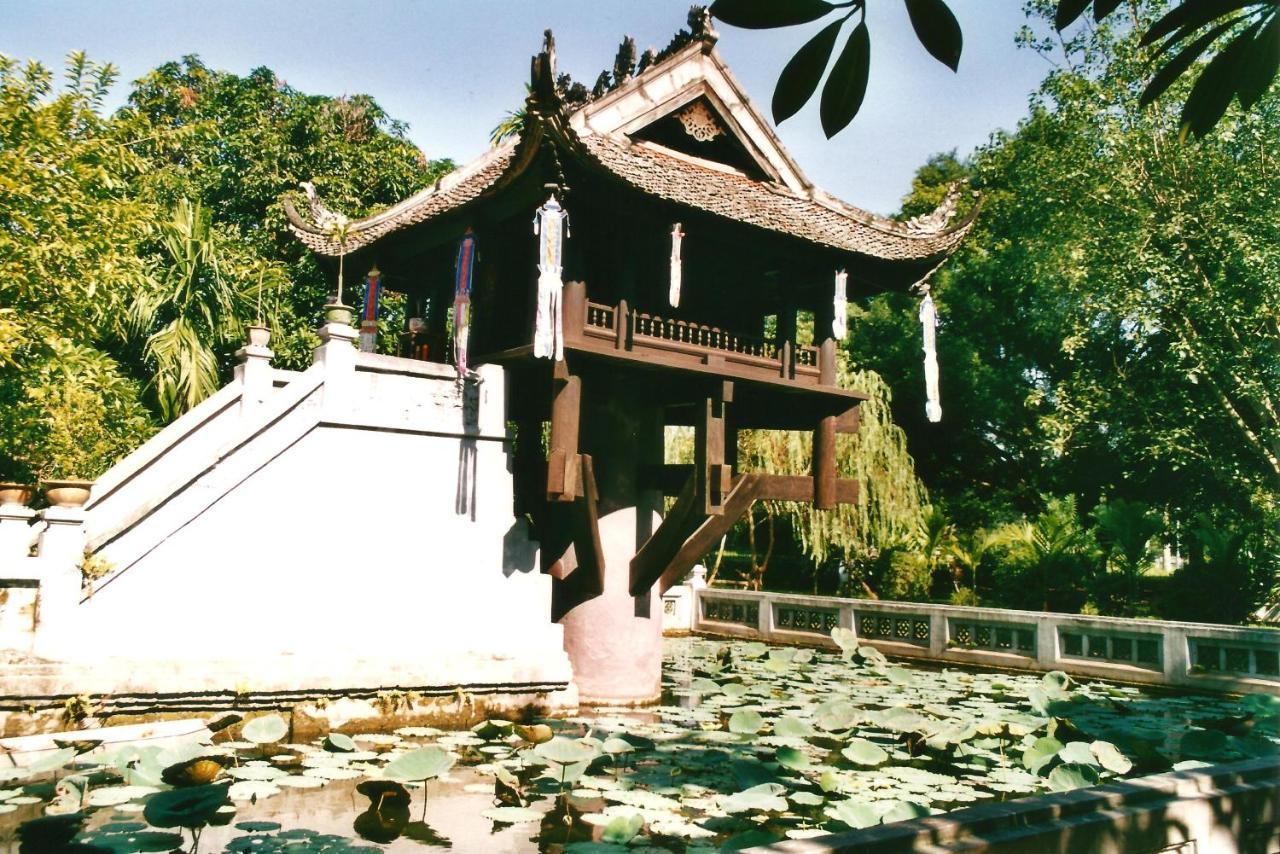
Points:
[(752, 744)]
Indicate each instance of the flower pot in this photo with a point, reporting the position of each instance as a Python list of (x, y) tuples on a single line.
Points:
[(16, 493), (66, 493), (339, 313), (259, 336)]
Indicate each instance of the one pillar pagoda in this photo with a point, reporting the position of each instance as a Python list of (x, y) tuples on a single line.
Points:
[(693, 242)]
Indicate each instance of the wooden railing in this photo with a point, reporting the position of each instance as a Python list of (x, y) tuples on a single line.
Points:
[(629, 330)]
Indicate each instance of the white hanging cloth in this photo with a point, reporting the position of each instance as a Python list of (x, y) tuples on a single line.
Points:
[(929, 322), (551, 223), (840, 307), (676, 236)]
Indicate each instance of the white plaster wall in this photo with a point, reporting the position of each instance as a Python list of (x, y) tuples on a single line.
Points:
[(384, 532)]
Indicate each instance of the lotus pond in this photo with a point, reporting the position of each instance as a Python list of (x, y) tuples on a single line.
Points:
[(754, 744)]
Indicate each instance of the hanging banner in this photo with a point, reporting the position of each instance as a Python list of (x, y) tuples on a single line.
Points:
[(369, 316), (929, 322), (840, 307), (676, 237), (464, 272), (551, 224)]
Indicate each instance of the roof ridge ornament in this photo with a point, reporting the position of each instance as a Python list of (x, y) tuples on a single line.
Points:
[(936, 221), (324, 218)]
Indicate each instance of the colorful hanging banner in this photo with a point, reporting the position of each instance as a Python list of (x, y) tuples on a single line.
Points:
[(840, 307), (676, 237), (369, 316), (464, 272), (929, 321), (551, 224)]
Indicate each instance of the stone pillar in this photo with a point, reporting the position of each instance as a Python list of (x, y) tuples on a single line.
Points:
[(61, 551), (337, 353), (254, 371), (16, 532), (614, 639)]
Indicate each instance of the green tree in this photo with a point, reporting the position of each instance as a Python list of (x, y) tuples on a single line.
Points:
[(238, 144)]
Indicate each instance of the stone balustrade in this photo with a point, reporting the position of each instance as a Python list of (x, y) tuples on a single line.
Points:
[(1200, 655)]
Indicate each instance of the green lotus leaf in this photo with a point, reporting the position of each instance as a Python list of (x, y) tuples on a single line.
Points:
[(755, 649), (1110, 757), (862, 752), (836, 716), (900, 676), (845, 639), (1078, 753), (856, 815), (511, 815), (1055, 683), (1261, 705), (745, 722), (789, 757), (1072, 776), (265, 730), (766, 797), (492, 729), (1204, 744), (339, 743), (191, 807), (565, 751), (903, 811), (806, 799), (703, 685), (1040, 753), (733, 689), (792, 727), (621, 829), (425, 763)]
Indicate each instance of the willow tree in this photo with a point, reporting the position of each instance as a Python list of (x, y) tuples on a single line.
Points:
[(891, 508), (891, 513)]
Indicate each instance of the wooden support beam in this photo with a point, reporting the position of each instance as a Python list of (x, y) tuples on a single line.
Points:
[(563, 465), (586, 530), (849, 421), (780, 487), (824, 464), (746, 490), (713, 477), (621, 325), (827, 362), (574, 310), (651, 560)]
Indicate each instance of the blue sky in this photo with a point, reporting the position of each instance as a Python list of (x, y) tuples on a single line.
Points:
[(451, 69)]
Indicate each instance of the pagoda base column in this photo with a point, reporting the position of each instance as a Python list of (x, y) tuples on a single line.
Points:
[(614, 639)]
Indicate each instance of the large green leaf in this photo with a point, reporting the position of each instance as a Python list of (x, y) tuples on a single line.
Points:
[(799, 80), (1068, 11), (265, 730), (1072, 776), (1259, 68), (191, 807), (862, 752), (1040, 753), (856, 815), (938, 30), (767, 14), (846, 86), (745, 722), (424, 763), (622, 829), (565, 751), (766, 797), (1216, 86)]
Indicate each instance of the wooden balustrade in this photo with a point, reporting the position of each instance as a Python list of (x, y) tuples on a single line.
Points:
[(628, 330)]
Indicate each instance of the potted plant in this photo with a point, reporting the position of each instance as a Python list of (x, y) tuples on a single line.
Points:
[(334, 309)]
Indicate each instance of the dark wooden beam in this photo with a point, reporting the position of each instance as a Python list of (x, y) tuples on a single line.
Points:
[(824, 464), (850, 421), (781, 487), (713, 477), (653, 557), (586, 530), (563, 465), (708, 532)]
